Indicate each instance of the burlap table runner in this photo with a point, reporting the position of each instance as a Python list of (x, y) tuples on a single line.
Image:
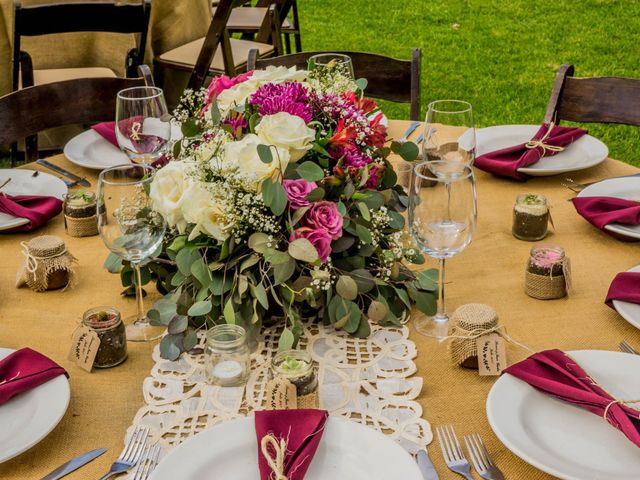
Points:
[(489, 271)]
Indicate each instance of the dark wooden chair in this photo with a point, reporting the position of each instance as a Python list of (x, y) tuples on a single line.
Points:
[(389, 78), (248, 20), (594, 99), (87, 16), (26, 112), (217, 53)]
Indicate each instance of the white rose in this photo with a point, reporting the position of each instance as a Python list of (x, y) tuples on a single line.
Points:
[(278, 74), (286, 131), (207, 212), (244, 153), (167, 193)]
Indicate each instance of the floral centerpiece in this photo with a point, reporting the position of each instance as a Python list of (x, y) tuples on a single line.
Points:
[(282, 205)]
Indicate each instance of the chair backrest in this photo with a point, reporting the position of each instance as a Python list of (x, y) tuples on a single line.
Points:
[(90, 16), (85, 100), (594, 99), (388, 78), (217, 35)]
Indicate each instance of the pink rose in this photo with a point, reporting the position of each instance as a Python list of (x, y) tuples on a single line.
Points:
[(222, 83), (297, 191), (325, 216), (320, 239)]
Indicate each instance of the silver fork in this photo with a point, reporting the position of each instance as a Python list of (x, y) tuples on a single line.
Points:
[(626, 347), (452, 453), (481, 459), (131, 452), (409, 131), (147, 463)]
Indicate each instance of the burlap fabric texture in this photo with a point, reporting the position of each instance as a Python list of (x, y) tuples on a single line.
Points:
[(48, 264), (471, 321), (81, 227)]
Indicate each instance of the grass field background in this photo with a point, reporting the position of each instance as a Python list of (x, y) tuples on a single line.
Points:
[(500, 55)]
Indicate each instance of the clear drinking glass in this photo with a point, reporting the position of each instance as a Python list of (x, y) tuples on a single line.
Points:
[(442, 214), (333, 61), (449, 135), (143, 123), (130, 229), (404, 172)]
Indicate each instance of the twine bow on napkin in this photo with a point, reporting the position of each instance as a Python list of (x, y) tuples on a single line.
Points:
[(275, 461), (540, 143)]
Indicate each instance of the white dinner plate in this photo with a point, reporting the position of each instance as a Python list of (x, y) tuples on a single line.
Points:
[(24, 183), (629, 311), (562, 439), (89, 149), (347, 450), (622, 187), (585, 152), (29, 417)]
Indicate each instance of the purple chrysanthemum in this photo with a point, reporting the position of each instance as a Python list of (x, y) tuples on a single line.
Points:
[(290, 97), (353, 157), (237, 121)]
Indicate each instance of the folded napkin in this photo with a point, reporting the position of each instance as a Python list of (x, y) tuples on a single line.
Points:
[(548, 140), (290, 438), (625, 287), (148, 143), (23, 370), (555, 373), (38, 210), (600, 211), (108, 132)]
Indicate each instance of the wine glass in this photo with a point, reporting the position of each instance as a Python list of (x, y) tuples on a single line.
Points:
[(143, 123), (404, 174), (333, 61), (442, 214), (449, 135), (131, 229)]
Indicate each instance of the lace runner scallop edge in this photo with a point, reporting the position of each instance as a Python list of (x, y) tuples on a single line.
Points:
[(371, 381)]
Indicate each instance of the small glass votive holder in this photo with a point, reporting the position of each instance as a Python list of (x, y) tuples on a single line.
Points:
[(107, 323), (530, 217), (297, 367), (227, 359)]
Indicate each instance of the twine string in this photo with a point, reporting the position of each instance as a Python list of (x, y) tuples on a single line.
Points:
[(531, 144), (481, 332), (32, 260), (275, 461), (621, 402)]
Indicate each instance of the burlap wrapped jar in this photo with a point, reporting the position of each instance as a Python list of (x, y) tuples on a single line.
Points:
[(548, 273), (48, 265), (471, 321)]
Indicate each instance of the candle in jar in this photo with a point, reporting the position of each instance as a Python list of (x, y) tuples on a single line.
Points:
[(228, 371)]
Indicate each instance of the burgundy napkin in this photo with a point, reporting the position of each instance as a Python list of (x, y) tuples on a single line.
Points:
[(37, 209), (600, 211), (555, 373), (301, 429), (23, 370), (625, 287), (108, 131), (507, 161)]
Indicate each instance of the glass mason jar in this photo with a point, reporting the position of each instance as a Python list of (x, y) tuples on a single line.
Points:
[(227, 359), (545, 274), (297, 367), (107, 323), (80, 204), (530, 217)]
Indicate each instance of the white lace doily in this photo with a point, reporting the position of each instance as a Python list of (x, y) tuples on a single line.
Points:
[(370, 381)]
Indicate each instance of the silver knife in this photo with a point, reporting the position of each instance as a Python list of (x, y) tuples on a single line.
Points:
[(426, 466), (74, 464), (81, 181), (409, 131)]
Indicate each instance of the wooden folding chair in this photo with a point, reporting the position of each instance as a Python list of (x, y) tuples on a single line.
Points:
[(388, 78), (35, 20), (203, 57), (593, 99), (77, 101)]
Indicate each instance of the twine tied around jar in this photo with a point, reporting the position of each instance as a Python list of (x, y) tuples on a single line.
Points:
[(275, 461), (540, 143), (474, 320), (45, 255)]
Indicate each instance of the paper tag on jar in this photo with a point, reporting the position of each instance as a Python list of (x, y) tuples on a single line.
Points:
[(84, 347), (492, 354)]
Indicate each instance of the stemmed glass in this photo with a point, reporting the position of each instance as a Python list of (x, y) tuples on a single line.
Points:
[(131, 229), (143, 123), (442, 214), (334, 61)]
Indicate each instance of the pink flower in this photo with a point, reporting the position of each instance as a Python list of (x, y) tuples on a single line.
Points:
[(297, 191), (320, 239), (325, 216), (222, 83)]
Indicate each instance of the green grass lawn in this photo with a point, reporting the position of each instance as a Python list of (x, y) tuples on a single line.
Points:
[(500, 55)]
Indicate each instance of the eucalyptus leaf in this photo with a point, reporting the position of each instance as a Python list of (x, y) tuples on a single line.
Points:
[(113, 263), (343, 243), (190, 339), (364, 234), (260, 294), (229, 313), (377, 311), (310, 171), (267, 191), (199, 308), (364, 279), (425, 301), (302, 249), (396, 221), (283, 272), (409, 151), (200, 271), (169, 348), (221, 284), (258, 242), (346, 287), (276, 257), (362, 83), (280, 198), (364, 211), (286, 341), (154, 318), (298, 214), (249, 262), (316, 194), (264, 152), (426, 280), (178, 324)]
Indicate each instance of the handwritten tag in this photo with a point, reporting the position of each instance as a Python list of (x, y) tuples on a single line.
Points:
[(84, 347), (492, 354)]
